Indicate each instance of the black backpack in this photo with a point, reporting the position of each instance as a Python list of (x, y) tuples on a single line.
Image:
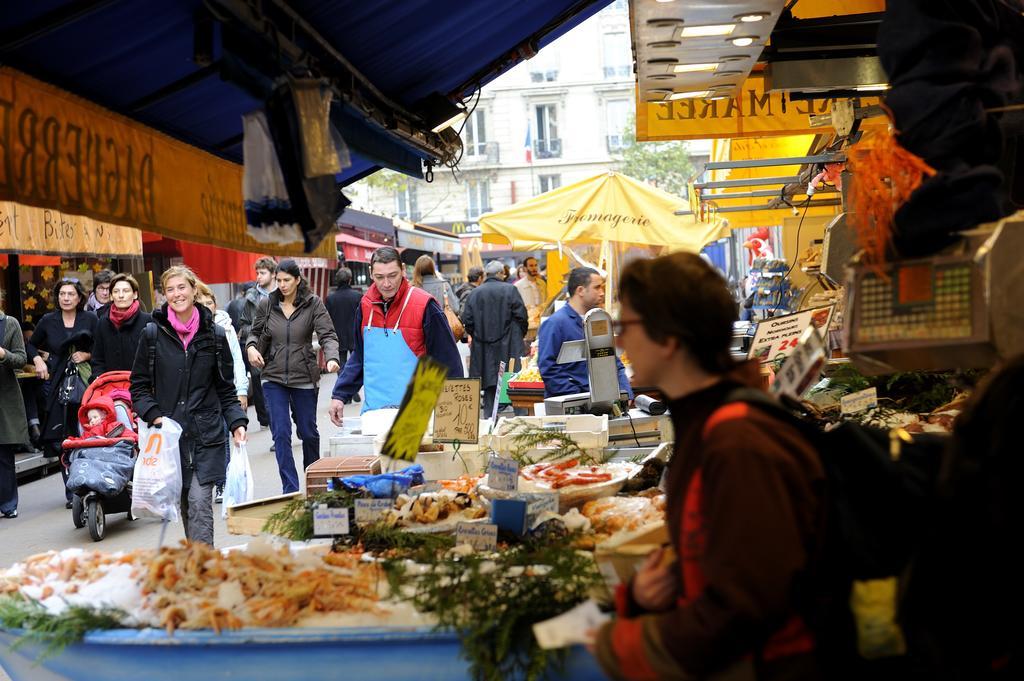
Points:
[(879, 498)]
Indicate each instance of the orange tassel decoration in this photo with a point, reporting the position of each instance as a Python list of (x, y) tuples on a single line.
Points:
[(884, 176)]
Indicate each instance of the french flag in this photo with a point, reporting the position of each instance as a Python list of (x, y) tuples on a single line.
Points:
[(529, 142)]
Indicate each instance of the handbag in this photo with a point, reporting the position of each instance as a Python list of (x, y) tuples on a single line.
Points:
[(72, 386), (458, 330)]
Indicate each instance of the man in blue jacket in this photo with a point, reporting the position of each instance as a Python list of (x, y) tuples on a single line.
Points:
[(586, 291)]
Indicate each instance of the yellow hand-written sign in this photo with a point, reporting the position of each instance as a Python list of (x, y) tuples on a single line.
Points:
[(752, 113), (403, 440), (457, 414), (27, 229)]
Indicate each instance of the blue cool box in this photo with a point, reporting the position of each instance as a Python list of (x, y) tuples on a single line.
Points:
[(509, 515)]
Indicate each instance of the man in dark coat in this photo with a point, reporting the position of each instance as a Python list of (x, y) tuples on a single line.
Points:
[(342, 304), (495, 317), (235, 306)]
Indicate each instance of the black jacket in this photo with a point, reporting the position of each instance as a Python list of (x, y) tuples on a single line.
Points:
[(343, 304), (286, 343), (51, 336), (114, 349), (190, 388), (496, 318)]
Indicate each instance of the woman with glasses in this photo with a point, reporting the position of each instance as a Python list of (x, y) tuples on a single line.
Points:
[(61, 337), (118, 332), (183, 371), (281, 346)]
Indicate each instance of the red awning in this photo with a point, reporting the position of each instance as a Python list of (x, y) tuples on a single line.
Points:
[(212, 264), (356, 249)]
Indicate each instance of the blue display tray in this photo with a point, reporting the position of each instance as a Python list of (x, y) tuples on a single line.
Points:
[(258, 655)]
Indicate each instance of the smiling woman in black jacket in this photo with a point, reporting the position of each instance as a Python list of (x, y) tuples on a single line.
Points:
[(183, 371), (118, 332)]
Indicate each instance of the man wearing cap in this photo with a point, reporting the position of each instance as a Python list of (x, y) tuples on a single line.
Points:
[(395, 325), (495, 317)]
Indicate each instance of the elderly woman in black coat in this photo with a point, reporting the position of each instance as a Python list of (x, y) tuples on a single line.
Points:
[(183, 371), (119, 331), (64, 336)]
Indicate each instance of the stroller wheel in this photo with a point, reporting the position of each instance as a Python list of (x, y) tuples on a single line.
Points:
[(97, 519), (77, 512)]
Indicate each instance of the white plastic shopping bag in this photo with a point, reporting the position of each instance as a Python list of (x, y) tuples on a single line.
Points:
[(156, 487), (238, 488)]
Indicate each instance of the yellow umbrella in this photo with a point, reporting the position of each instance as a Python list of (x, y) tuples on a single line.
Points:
[(606, 207)]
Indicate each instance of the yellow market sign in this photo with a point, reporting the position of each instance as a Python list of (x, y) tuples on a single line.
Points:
[(61, 152), (27, 229), (753, 113)]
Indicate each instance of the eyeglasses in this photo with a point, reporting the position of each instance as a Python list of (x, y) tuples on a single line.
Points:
[(619, 326)]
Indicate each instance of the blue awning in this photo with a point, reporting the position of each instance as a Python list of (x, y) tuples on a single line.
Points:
[(135, 57)]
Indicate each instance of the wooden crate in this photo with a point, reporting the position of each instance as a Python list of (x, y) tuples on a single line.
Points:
[(319, 472), (250, 517)]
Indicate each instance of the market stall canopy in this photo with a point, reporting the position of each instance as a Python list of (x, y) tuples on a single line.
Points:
[(191, 68), (606, 207)]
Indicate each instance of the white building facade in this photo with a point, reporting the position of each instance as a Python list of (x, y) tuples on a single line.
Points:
[(568, 105)]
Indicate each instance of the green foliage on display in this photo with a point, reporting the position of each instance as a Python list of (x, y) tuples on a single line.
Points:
[(917, 392), (493, 600), (53, 632), (667, 165), (295, 520), (526, 437)]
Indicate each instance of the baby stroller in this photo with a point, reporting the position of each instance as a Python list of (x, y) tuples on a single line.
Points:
[(101, 461)]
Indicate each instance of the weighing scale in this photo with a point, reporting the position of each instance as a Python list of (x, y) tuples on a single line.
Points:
[(959, 310), (598, 349)]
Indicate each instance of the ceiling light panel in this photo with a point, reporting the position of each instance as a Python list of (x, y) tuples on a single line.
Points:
[(699, 34)]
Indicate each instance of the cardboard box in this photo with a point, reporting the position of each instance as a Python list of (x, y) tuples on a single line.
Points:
[(249, 518), (338, 467)]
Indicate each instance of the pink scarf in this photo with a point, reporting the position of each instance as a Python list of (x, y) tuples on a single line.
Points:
[(186, 331)]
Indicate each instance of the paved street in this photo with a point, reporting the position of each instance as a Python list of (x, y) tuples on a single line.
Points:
[(43, 523)]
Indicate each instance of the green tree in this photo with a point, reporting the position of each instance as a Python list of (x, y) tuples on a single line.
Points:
[(666, 165)]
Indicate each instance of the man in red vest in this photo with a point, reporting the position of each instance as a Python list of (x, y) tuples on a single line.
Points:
[(395, 325)]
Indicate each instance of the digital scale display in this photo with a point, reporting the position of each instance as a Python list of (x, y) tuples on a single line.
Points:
[(599, 327), (916, 302)]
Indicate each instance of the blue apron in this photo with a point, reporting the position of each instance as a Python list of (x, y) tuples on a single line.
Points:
[(388, 363)]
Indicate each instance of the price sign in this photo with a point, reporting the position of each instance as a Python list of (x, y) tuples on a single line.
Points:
[(369, 511), (779, 336), (538, 503), (457, 414), (329, 522), (803, 366), (481, 536), (403, 440), (503, 474), (859, 401)]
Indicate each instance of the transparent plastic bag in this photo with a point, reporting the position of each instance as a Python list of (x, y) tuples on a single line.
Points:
[(156, 486), (239, 486)]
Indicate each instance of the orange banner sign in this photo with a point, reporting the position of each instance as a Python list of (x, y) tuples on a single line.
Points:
[(61, 152)]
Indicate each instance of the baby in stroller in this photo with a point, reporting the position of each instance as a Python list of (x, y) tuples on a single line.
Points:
[(101, 460)]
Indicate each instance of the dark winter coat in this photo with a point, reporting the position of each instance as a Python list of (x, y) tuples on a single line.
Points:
[(13, 424), (496, 319), (191, 388), (286, 343), (51, 336), (343, 306), (114, 349)]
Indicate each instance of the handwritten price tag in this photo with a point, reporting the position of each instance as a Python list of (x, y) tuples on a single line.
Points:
[(329, 522), (503, 474), (369, 511), (481, 536), (859, 401), (457, 414)]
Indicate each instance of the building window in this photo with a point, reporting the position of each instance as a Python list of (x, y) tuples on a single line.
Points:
[(475, 134), (479, 192), (544, 66), (617, 112), (617, 55), (548, 144), (549, 182), (406, 206)]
